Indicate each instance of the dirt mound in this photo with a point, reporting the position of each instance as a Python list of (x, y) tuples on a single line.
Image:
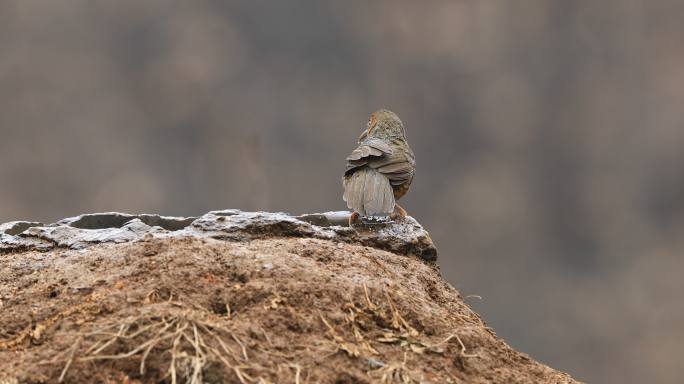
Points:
[(241, 306)]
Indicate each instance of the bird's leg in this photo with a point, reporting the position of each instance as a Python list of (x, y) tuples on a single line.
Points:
[(399, 212), (354, 218)]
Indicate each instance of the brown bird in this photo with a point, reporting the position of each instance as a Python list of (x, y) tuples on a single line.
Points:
[(380, 170)]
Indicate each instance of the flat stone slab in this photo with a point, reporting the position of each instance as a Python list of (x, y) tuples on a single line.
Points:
[(404, 237)]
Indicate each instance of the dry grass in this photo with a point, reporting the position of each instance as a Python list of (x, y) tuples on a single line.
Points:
[(400, 333), (187, 342)]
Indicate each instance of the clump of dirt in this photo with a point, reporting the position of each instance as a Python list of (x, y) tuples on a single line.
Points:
[(274, 310)]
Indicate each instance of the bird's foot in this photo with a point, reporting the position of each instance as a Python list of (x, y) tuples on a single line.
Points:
[(399, 213)]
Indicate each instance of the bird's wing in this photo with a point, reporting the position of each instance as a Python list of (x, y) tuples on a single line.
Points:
[(399, 167), (366, 151), (372, 147)]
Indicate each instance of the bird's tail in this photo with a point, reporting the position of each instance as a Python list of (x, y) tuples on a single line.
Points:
[(369, 192)]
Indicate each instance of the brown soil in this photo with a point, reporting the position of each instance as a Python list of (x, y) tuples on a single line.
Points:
[(281, 310)]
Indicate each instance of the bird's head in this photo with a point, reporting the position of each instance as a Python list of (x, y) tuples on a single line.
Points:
[(384, 124)]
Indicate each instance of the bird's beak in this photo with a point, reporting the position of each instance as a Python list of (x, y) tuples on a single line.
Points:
[(363, 135)]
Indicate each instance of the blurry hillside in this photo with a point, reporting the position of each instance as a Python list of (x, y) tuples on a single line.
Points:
[(549, 138)]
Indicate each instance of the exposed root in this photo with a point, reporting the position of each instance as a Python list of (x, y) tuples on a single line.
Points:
[(70, 359), (298, 371), (190, 344), (398, 373), (185, 342), (460, 342), (369, 302), (351, 349), (398, 321), (398, 332)]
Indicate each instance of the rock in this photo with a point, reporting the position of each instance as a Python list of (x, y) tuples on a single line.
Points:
[(240, 297), (405, 237), (118, 220), (16, 227)]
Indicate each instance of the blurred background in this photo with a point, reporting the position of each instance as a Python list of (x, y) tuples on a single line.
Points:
[(549, 138)]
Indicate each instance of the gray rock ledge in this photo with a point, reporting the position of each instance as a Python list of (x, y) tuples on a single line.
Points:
[(405, 237)]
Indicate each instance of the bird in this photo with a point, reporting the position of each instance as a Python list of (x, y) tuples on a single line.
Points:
[(380, 170)]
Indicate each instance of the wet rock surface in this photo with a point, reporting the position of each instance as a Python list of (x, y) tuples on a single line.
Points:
[(404, 237)]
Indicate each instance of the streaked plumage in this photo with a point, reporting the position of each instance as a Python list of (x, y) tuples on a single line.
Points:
[(380, 170)]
